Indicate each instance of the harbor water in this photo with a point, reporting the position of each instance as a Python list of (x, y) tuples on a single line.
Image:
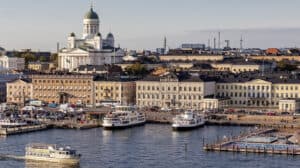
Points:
[(149, 146)]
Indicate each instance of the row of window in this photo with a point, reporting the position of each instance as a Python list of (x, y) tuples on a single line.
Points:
[(179, 104), (62, 81), (109, 95), (57, 96), (258, 95), (254, 102), (19, 87), (107, 88), (157, 96), (168, 88), (256, 87)]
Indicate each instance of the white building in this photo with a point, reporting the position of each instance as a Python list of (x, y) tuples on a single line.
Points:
[(172, 91), (91, 49), (11, 63)]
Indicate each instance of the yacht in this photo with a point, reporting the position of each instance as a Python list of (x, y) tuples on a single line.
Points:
[(51, 153), (188, 120), (122, 117), (8, 122)]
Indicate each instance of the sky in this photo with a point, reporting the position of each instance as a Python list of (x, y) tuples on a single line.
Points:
[(142, 24)]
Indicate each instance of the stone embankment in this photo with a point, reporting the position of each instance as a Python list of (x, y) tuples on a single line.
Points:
[(23, 129)]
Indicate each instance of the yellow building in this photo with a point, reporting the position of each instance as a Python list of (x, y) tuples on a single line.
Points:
[(173, 91), (119, 91), (236, 68), (19, 91), (289, 105), (41, 66), (276, 58), (191, 57), (258, 93), (74, 89)]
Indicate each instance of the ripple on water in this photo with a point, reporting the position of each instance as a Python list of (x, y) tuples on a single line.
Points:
[(148, 146)]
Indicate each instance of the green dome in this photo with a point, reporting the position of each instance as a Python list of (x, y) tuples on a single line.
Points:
[(91, 15)]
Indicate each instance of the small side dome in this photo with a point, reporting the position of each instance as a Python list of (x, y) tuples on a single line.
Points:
[(91, 14), (110, 35), (72, 34)]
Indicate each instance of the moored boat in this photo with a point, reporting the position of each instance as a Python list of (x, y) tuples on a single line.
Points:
[(8, 122), (188, 120), (122, 117)]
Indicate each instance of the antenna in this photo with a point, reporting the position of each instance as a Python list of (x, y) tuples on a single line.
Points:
[(208, 43), (57, 47), (241, 42), (219, 42), (227, 43), (165, 44), (215, 43)]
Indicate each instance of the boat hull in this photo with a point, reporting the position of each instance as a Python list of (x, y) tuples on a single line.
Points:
[(122, 126), (72, 161), (186, 127)]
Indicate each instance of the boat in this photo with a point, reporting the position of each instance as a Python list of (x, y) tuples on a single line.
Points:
[(8, 122), (51, 153), (122, 117), (188, 120)]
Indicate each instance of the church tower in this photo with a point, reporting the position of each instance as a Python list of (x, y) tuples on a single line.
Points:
[(90, 24)]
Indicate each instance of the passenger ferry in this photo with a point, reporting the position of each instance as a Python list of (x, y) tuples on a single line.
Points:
[(8, 122), (188, 120), (122, 117), (51, 153)]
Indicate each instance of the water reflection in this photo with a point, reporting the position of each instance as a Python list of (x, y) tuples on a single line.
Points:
[(40, 164)]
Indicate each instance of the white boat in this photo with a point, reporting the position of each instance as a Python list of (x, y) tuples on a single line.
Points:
[(188, 120), (122, 117), (8, 122), (51, 153)]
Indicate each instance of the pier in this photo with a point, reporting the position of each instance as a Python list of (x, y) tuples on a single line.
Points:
[(23, 129), (241, 144)]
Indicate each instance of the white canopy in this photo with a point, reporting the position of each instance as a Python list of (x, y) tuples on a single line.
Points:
[(28, 108)]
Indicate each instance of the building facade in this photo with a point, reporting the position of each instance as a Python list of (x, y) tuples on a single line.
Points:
[(189, 58), (123, 92), (91, 49), (73, 89), (170, 91), (11, 63), (19, 91), (41, 66), (267, 93), (4, 78)]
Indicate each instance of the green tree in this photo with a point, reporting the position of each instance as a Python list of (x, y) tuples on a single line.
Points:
[(54, 58), (42, 59), (136, 69), (286, 66), (29, 57)]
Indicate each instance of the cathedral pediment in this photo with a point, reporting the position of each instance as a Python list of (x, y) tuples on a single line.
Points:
[(77, 51)]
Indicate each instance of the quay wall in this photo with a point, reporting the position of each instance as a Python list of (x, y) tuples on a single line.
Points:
[(23, 129)]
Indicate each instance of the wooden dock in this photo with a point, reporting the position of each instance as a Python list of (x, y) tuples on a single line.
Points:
[(251, 150), (21, 130)]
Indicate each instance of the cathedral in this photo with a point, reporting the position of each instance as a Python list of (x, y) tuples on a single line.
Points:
[(91, 49)]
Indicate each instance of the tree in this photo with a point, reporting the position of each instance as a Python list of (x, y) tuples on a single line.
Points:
[(54, 58), (136, 69), (286, 66), (42, 58), (29, 57)]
